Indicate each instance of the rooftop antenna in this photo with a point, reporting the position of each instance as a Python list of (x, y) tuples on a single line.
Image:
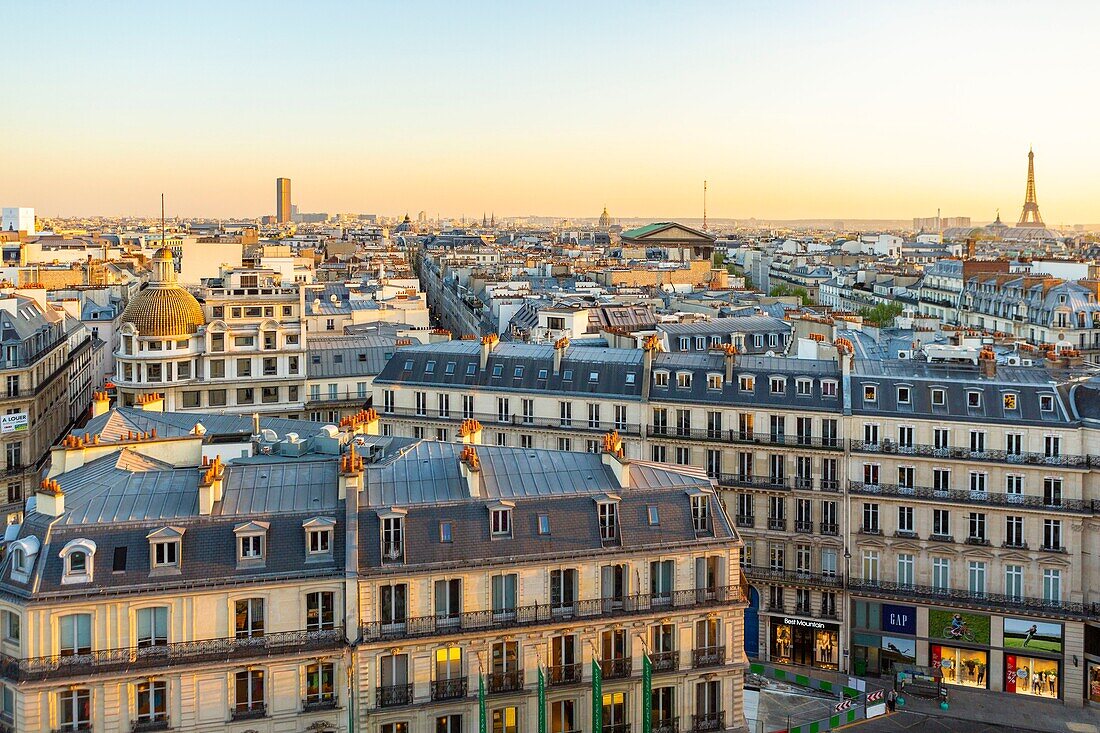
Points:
[(704, 205), (162, 220)]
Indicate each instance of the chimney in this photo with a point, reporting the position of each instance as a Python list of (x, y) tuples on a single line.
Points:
[(151, 402), (731, 362), (971, 248), (351, 473), (614, 457), (844, 352), (210, 485), (364, 422), (559, 352), (470, 466), (650, 345), (50, 499), (987, 363), (488, 343), (101, 404), (469, 432)]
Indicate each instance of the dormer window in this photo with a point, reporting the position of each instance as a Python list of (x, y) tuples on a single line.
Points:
[(747, 383), (23, 553), (543, 374), (973, 399), (870, 393), (251, 542), (1011, 402), (518, 373), (18, 560), (903, 396), (939, 397), (653, 515), (319, 536), (660, 379), (164, 548), (778, 385), (683, 380), (429, 368), (446, 531), (500, 520), (166, 554), (608, 514), (544, 524), (804, 387), (77, 556), (449, 369), (393, 535), (498, 369), (714, 381), (828, 388), (700, 512), (630, 377)]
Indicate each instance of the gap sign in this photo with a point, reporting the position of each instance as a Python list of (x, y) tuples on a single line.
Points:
[(899, 619)]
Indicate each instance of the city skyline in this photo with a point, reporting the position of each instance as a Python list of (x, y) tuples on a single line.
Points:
[(804, 112)]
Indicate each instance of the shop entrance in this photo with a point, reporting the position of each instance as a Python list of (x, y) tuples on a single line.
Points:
[(803, 646)]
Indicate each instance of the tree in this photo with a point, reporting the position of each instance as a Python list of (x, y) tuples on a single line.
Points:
[(882, 314), (780, 291)]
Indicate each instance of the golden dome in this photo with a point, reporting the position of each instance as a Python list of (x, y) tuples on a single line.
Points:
[(164, 308), (161, 310)]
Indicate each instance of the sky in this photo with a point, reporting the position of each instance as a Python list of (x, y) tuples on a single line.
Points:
[(789, 110)]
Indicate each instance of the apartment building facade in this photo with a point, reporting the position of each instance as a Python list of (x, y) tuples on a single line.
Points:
[(864, 491), (305, 588)]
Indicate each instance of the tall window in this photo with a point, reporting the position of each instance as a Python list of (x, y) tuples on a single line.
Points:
[(74, 709), (870, 565), (661, 578), (976, 577), (1052, 534), (905, 569), (76, 634), (1014, 531), (320, 683), (152, 626), (905, 519), (1014, 581), (941, 573), (249, 618), (151, 697), (249, 691), (448, 599), (320, 611), (1052, 585), (504, 595), (392, 538), (563, 589), (394, 604), (609, 523)]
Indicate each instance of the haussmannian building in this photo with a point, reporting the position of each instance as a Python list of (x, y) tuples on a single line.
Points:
[(346, 580), (891, 511)]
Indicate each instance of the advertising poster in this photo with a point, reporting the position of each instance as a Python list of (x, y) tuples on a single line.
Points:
[(1037, 636), (969, 628)]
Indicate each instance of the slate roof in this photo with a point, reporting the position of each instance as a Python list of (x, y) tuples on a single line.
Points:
[(115, 423), (348, 356)]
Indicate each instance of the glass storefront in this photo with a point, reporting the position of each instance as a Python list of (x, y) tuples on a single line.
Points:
[(805, 642), (1031, 676), (1094, 682), (966, 667)]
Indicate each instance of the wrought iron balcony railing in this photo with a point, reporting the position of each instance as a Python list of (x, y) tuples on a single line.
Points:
[(995, 601), (791, 577), (964, 453), (665, 661), (251, 711), (540, 614), (450, 689), (504, 681), (617, 668), (736, 436), (984, 498), (321, 702), (666, 725), (565, 674), (708, 656), (616, 728), (168, 655), (389, 696), (513, 420), (708, 722), (149, 724)]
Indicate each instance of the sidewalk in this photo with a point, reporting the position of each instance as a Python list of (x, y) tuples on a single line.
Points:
[(1011, 711)]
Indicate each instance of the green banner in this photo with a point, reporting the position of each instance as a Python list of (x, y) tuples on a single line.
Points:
[(481, 703), (647, 694), (542, 702), (597, 696)]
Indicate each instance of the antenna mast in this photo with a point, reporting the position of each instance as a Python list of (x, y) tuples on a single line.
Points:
[(704, 205), (162, 220)]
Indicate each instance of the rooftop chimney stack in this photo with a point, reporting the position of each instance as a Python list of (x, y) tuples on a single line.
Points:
[(987, 363), (649, 346), (559, 352), (731, 362), (488, 343)]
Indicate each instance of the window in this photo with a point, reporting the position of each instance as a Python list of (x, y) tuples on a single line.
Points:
[(248, 618), (661, 578), (563, 589), (502, 522), (563, 717), (393, 604), (151, 698), (448, 599), (75, 634), (609, 522), (1014, 531), (870, 393), (249, 689), (653, 515), (747, 383), (10, 626), (1011, 402), (870, 518), (683, 380), (905, 569), (252, 547), (1014, 581), (905, 519), (1052, 534), (1046, 403), (504, 595), (976, 577), (803, 387), (941, 522), (446, 531), (828, 388), (504, 720), (320, 611), (700, 512), (660, 379), (152, 626), (77, 558), (903, 396), (1052, 585), (714, 381), (630, 377), (778, 385), (320, 683), (319, 540), (939, 397), (941, 573), (977, 527), (74, 709), (870, 565), (166, 554), (392, 538), (973, 399)]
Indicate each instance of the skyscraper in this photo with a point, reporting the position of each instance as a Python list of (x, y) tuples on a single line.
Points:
[(282, 200)]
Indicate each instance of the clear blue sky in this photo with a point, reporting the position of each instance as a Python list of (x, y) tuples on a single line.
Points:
[(799, 109)]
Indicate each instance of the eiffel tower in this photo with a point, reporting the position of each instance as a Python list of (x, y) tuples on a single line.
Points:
[(1030, 217)]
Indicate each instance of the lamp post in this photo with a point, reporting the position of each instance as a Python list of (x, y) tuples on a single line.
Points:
[(845, 645)]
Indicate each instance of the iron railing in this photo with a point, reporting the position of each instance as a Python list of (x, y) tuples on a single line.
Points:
[(504, 681), (323, 702), (778, 524), (736, 436), (511, 419), (1072, 609), (749, 481), (665, 661), (708, 721), (746, 520), (450, 689), (616, 728), (960, 452), (565, 674), (540, 614), (389, 696), (168, 655), (984, 498), (666, 725), (803, 526), (830, 528), (617, 668), (708, 656), (155, 722), (792, 577), (251, 711)]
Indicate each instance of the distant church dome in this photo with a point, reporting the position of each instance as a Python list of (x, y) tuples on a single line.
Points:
[(605, 219), (164, 308)]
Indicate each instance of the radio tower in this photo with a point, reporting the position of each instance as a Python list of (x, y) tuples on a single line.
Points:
[(1030, 217), (704, 205)]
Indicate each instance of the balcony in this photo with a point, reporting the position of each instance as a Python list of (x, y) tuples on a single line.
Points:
[(965, 454), (565, 674), (391, 696), (515, 421), (734, 436), (939, 537), (777, 524), (615, 669), (983, 498), (319, 703), (791, 577), (831, 529), (747, 521), (983, 601), (708, 722), (905, 534), (1053, 548), (803, 527), (1014, 545), (665, 661), (829, 484), (666, 725), (156, 722), (254, 711), (169, 655), (616, 728), (74, 728), (504, 681), (805, 483), (708, 656), (452, 689), (978, 541), (870, 529), (748, 481), (541, 614)]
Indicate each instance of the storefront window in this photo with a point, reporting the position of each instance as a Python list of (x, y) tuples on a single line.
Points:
[(1030, 676), (781, 643), (827, 647), (965, 667), (805, 642), (1094, 682)]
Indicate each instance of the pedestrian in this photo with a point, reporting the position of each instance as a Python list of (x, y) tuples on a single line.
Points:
[(892, 700)]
